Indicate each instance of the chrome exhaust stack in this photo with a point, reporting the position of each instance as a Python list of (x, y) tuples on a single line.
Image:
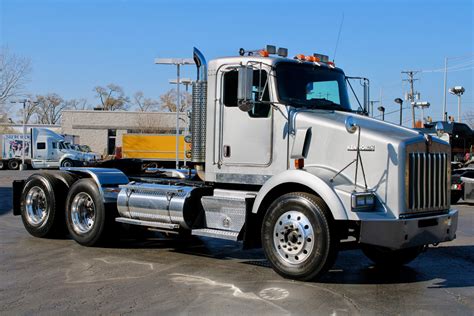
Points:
[(198, 117)]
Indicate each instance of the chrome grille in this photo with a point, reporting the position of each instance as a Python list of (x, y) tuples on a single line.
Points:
[(428, 182)]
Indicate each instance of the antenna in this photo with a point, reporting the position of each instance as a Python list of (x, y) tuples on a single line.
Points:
[(338, 36)]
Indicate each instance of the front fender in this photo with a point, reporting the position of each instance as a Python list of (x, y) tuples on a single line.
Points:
[(316, 184), (69, 156)]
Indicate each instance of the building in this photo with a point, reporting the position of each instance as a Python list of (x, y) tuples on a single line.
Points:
[(103, 130)]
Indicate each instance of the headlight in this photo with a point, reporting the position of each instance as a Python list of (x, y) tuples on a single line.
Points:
[(364, 201)]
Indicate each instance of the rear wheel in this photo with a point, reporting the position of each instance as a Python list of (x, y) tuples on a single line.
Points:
[(42, 206), (13, 164), (297, 237), (90, 222), (2, 165), (389, 258)]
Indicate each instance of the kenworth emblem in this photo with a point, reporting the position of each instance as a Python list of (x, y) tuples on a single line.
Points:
[(361, 148)]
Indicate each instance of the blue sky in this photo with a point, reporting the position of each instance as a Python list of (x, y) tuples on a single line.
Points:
[(78, 44)]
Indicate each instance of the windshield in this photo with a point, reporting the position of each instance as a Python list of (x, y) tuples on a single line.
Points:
[(312, 86)]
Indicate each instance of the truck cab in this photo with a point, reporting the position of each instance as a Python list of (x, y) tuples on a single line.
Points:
[(50, 150)]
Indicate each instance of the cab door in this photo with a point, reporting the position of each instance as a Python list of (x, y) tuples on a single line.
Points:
[(40, 154), (246, 137)]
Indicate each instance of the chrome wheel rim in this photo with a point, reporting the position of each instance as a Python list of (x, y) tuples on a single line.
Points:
[(293, 237), (82, 213), (36, 206)]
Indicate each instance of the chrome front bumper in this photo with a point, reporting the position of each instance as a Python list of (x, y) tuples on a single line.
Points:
[(404, 233)]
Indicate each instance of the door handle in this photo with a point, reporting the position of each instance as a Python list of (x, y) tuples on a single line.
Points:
[(226, 151)]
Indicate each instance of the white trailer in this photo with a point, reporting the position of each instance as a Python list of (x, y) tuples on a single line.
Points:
[(280, 161)]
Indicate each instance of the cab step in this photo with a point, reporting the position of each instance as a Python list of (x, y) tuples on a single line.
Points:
[(216, 233)]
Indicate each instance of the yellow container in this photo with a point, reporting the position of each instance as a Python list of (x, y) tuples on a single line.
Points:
[(153, 147)]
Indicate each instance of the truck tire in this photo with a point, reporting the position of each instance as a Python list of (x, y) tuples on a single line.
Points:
[(13, 164), (297, 236), (67, 163), (89, 221), (2, 165), (389, 258), (42, 206)]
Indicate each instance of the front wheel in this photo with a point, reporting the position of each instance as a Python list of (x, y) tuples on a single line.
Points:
[(90, 222), (389, 258), (67, 163), (297, 236)]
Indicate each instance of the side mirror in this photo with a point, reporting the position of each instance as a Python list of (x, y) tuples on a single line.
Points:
[(244, 90)]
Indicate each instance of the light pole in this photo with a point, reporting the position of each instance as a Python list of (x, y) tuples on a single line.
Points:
[(422, 106), (178, 62), (458, 91), (400, 102), (382, 109), (23, 142), (187, 82)]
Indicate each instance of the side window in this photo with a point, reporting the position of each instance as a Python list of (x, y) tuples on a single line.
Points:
[(41, 146), (259, 88), (55, 145), (230, 88)]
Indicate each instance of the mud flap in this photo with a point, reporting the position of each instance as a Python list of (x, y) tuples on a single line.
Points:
[(17, 190)]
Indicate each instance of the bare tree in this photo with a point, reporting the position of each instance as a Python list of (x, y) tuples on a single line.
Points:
[(77, 104), (112, 97), (168, 101), (144, 104), (49, 108), (14, 72)]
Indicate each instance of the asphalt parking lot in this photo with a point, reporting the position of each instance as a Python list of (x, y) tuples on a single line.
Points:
[(206, 276)]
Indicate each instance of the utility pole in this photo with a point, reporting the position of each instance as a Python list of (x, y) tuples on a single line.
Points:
[(411, 95), (372, 107), (444, 88)]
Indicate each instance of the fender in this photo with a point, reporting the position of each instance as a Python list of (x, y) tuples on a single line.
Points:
[(70, 156), (309, 180), (107, 180)]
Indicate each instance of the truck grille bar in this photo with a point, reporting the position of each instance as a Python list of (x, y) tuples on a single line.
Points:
[(428, 182)]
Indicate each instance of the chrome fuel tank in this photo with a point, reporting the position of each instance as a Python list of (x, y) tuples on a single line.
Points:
[(162, 203)]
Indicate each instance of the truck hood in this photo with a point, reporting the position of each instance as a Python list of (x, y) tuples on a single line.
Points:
[(330, 148)]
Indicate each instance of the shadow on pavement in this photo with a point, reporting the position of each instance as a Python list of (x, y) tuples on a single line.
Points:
[(6, 198), (447, 267)]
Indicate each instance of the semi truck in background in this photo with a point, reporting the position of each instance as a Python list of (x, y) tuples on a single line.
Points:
[(278, 158), (43, 148), (155, 151)]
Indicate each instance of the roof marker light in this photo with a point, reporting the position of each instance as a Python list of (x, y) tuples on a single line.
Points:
[(263, 53), (300, 57)]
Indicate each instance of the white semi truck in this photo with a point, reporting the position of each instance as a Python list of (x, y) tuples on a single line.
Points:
[(280, 161), (47, 150)]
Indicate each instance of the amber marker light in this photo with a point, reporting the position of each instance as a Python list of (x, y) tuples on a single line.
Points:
[(299, 163)]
